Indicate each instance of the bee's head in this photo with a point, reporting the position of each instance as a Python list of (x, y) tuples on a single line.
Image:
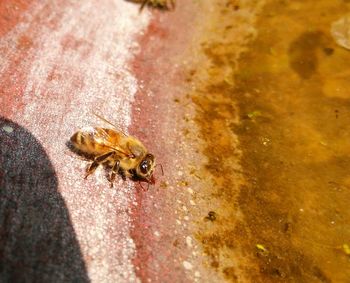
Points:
[(145, 168)]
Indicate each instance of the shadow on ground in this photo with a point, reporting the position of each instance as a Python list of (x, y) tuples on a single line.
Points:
[(37, 240)]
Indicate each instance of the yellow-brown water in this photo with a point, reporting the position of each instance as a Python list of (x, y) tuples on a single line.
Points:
[(284, 209)]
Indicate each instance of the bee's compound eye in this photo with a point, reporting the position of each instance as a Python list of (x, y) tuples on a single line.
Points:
[(144, 167)]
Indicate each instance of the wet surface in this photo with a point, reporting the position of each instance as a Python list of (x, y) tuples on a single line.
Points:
[(285, 209), (246, 111)]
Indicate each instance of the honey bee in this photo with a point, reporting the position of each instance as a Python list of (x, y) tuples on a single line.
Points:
[(124, 154), (160, 4)]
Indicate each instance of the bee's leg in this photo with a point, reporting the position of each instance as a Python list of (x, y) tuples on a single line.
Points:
[(144, 3), (97, 161), (125, 174), (143, 188), (114, 171), (122, 174)]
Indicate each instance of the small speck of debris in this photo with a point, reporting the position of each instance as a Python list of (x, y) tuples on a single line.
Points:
[(187, 265), (190, 191), (197, 274), (183, 183), (346, 249), (7, 129), (189, 241), (211, 216), (323, 143), (192, 202), (156, 233), (163, 184), (254, 114), (186, 218), (328, 51), (265, 141), (184, 208), (260, 247)]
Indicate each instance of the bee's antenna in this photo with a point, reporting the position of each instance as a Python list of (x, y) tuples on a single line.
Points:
[(105, 120), (161, 167), (140, 183)]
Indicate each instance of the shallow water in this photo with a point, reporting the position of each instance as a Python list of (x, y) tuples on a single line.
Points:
[(283, 112)]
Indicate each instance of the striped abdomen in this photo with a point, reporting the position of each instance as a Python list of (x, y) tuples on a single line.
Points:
[(95, 141)]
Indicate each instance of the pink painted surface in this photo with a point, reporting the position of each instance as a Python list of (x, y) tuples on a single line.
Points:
[(160, 231), (59, 62)]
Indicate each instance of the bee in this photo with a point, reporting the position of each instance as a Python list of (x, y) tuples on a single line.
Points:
[(160, 4), (125, 154)]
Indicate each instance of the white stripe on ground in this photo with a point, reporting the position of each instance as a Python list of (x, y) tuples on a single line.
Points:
[(63, 87)]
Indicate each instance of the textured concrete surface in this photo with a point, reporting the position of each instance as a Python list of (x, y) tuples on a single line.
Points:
[(243, 102), (60, 61)]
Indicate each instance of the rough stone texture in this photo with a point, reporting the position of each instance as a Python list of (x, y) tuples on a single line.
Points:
[(60, 62)]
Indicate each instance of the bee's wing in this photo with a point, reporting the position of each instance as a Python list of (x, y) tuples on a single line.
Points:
[(103, 137), (108, 122)]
